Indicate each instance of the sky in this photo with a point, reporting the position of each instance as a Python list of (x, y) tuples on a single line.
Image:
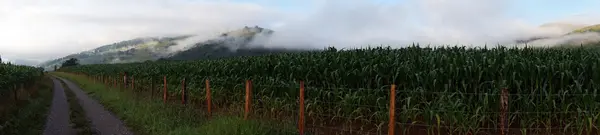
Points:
[(36, 30)]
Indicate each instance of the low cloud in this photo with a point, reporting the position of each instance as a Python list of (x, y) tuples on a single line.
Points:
[(353, 24), (51, 29), (571, 39)]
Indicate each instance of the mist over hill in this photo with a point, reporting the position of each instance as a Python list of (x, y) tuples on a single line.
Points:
[(135, 50), (233, 43), (573, 35), (249, 41)]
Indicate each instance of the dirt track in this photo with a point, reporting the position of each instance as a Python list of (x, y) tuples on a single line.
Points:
[(103, 121), (58, 122)]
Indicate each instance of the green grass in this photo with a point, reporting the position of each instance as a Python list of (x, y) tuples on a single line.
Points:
[(222, 126), (79, 122), (152, 117), (30, 118)]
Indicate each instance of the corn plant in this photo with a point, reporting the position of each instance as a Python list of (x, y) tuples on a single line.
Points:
[(446, 86)]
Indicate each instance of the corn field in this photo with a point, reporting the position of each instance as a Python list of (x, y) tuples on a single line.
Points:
[(454, 89), (13, 76)]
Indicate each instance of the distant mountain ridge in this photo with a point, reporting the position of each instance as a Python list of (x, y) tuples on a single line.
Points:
[(139, 49), (231, 44), (593, 28), (228, 44), (578, 35)]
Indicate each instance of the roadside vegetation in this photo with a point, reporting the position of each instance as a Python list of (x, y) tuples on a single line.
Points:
[(28, 115), (148, 116)]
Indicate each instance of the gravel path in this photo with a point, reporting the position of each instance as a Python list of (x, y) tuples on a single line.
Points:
[(58, 122), (103, 121)]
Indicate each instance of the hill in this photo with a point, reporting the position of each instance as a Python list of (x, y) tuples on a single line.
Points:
[(135, 50), (233, 43), (582, 35), (230, 44), (593, 28)]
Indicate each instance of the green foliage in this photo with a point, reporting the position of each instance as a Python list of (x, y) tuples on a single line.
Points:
[(221, 125), (455, 86), (12, 75), (30, 116), (70, 62), (220, 50)]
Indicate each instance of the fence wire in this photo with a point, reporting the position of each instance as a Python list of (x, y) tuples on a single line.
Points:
[(335, 121)]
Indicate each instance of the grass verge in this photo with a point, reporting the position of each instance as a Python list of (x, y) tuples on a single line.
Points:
[(79, 123), (30, 118), (152, 117)]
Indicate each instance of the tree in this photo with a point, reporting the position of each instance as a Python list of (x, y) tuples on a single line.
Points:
[(0, 59), (70, 62)]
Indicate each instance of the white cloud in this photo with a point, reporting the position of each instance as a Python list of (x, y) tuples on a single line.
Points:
[(437, 22), (39, 29), (50, 29)]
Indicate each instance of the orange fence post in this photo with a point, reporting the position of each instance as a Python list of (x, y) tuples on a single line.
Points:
[(165, 90), (392, 123), (208, 102), (503, 110), (183, 93), (301, 119), (248, 91)]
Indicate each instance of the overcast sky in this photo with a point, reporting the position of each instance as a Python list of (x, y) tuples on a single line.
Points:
[(40, 29)]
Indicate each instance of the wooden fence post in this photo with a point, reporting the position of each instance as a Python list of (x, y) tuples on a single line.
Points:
[(503, 110), (248, 98), (392, 120), (183, 93), (208, 98), (165, 89), (301, 110)]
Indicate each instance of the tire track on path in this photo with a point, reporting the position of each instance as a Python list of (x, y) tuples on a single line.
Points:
[(103, 121), (58, 122)]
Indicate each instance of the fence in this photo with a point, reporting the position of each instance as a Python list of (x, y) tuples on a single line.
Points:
[(338, 111), (20, 94)]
